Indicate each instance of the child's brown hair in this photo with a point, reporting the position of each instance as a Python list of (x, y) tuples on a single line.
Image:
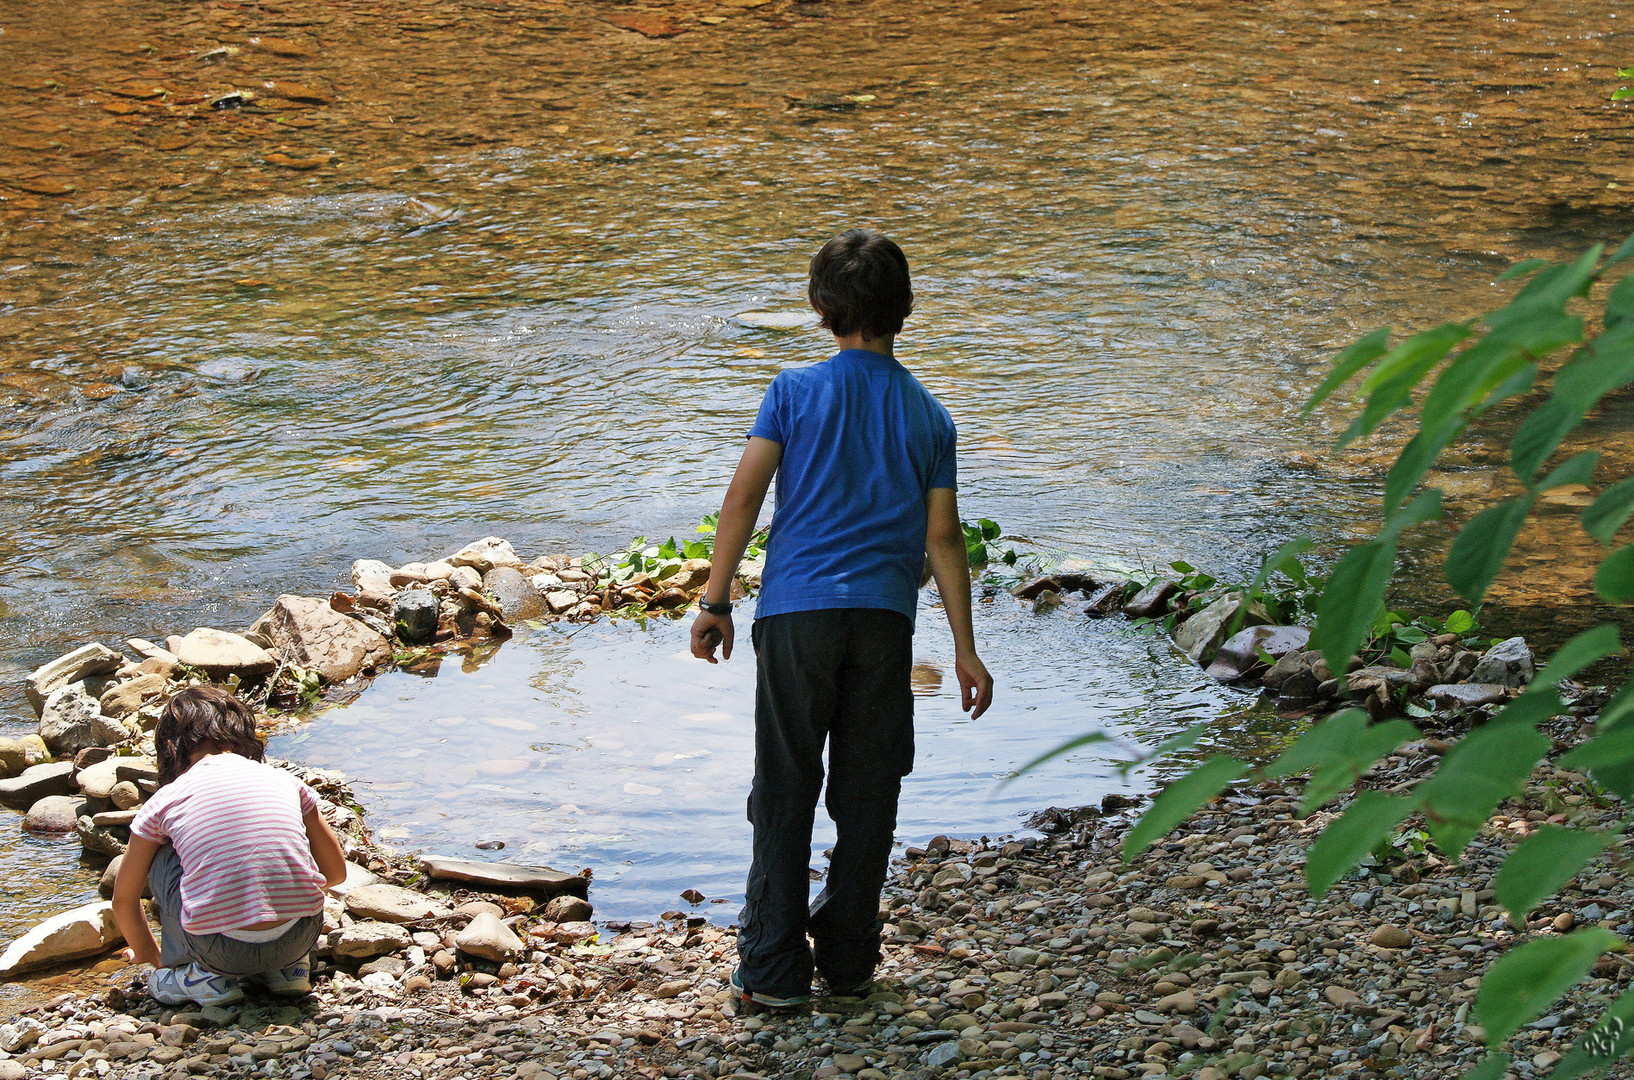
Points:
[(198, 717), (859, 281)]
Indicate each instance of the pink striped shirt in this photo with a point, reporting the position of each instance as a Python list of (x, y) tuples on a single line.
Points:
[(236, 825)]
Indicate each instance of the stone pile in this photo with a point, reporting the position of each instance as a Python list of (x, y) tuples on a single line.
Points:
[(1443, 672), (1045, 957)]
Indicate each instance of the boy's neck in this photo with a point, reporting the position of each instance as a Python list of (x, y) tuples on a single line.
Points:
[(859, 340)]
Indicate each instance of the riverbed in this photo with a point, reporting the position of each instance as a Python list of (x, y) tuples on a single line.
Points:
[(438, 272)]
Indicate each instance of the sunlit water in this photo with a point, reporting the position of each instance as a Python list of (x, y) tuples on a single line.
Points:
[(506, 299)]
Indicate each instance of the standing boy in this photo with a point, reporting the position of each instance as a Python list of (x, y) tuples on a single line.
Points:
[(864, 461)]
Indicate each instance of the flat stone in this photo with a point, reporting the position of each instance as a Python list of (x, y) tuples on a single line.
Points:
[(356, 877), (83, 662), (71, 935), (372, 576), (1341, 997), (1151, 601), (1201, 636), (1466, 695), (1183, 1001), (306, 631), (537, 879), (561, 601), (115, 817), (124, 698), (1241, 655), (485, 554), (54, 814), (98, 781), (392, 903), (36, 782), (219, 654), (71, 720), (366, 940), (486, 938)]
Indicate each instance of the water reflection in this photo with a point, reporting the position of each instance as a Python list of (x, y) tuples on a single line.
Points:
[(620, 751)]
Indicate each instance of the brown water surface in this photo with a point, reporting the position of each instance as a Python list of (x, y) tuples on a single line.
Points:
[(284, 285)]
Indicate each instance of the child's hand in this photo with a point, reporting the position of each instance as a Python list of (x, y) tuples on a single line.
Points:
[(975, 685), (708, 631)]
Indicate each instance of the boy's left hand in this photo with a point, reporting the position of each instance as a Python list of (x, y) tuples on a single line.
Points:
[(709, 631)]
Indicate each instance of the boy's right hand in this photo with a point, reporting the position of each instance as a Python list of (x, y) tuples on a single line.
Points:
[(975, 684), (708, 631)]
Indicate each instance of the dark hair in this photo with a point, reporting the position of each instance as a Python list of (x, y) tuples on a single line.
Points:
[(859, 281), (203, 716)]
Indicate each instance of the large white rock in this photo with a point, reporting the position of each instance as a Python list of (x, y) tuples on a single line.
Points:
[(485, 554), (71, 720), (489, 939), (219, 654), (72, 935), (373, 576), (87, 660), (98, 781), (307, 631), (392, 903), (370, 939)]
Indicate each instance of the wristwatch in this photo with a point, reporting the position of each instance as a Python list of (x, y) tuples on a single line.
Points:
[(723, 608)]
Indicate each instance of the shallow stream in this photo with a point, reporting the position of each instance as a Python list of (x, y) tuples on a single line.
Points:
[(451, 270)]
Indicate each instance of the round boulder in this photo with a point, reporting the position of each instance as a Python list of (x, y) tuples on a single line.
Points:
[(54, 814)]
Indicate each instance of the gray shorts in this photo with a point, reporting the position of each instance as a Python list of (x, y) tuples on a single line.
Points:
[(218, 952)]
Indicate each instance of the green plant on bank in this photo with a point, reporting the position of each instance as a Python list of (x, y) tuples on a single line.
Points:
[(1464, 369), (1622, 93)]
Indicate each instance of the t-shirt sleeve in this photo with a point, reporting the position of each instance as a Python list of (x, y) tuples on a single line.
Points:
[(944, 471), (149, 822), (308, 797), (769, 422)]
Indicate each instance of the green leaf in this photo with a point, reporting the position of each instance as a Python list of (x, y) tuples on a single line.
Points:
[(990, 529), (1610, 509), (1558, 284), (1614, 581), (1622, 93), (1520, 269), (1065, 748), (1425, 507), (1478, 553), (1486, 767), (1601, 366), (1578, 469), (1286, 558), (1619, 303), (1398, 372), (1603, 1044), (1579, 653), (1360, 829), (1180, 799), (1542, 863), (1460, 622), (1531, 708), (1339, 750), (1525, 981), (1354, 591), (1610, 757), (1627, 247), (1349, 361)]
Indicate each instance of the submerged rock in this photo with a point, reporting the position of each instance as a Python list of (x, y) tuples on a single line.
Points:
[(1152, 601), (72, 935), (308, 632), (1242, 655)]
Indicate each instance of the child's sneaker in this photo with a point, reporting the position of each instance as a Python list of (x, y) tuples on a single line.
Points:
[(766, 1001), (193, 983), (294, 979)]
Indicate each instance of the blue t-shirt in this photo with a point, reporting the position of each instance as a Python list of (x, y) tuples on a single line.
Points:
[(863, 442)]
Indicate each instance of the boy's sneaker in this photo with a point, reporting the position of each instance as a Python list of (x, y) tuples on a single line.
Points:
[(294, 979), (193, 983), (766, 1001)]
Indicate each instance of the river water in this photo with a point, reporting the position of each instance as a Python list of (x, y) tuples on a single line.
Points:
[(441, 270)]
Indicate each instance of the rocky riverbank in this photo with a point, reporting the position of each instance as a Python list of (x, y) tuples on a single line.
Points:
[(1039, 957)]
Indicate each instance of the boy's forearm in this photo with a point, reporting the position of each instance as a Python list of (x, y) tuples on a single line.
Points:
[(732, 532), (950, 566)]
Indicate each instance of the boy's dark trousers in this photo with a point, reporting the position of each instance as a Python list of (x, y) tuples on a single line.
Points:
[(840, 675)]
